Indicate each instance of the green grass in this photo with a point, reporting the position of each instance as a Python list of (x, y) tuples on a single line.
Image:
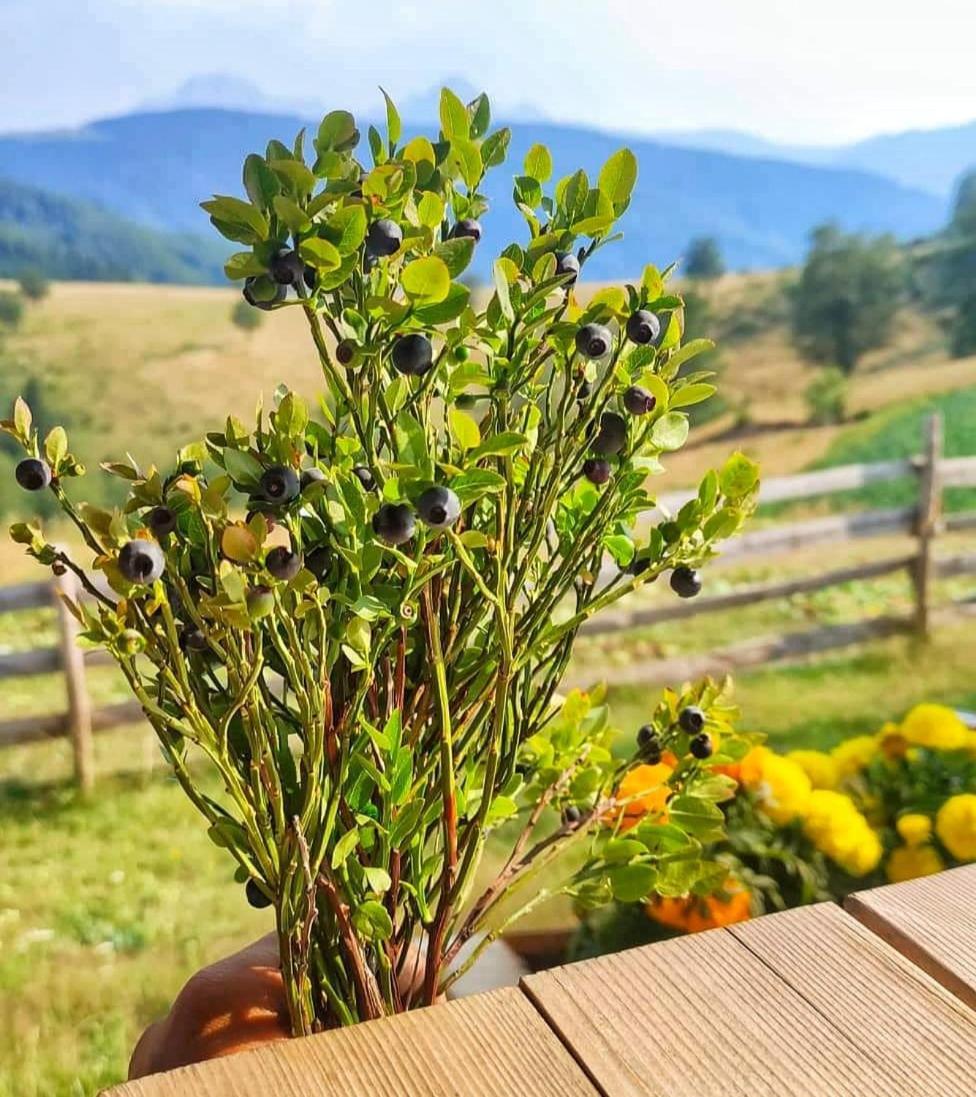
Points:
[(894, 433)]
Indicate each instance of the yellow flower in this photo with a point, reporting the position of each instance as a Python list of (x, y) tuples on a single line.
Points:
[(820, 767), (934, 726), (781, 786), (854, 754), (910, 862), (841, 832), (914, 829), (956, 826)]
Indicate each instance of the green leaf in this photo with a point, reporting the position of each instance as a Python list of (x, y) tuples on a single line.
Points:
[(244, 264), (620, 547), (260, 181), (235, 211), (377, 878), (346, 844), (320, 253), (494, 148), (739, 476), (699, 817), (56, 447), (393, 127), (346, 229), (23, 419), (456, 254), (239, 544), (502, 808), (427, 280), (631, 883), (337, 131), (620, 850), (291, 213), (292, 417), (296, 173), (243, 467), (449, 309), (475, 483), (499, 445), (372, 920), (479, 111), (467, 156), (670, 431), (420, 153), (454, 116), (463, 429), (501, 289), (430, 209), (688, 351), (691, 394), (538, 163), (618, 176)]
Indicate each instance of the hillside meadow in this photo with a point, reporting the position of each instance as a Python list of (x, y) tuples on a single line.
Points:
[(107, 906)]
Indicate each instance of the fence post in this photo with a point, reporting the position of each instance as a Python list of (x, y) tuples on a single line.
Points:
[(927, 520), (79, 703)]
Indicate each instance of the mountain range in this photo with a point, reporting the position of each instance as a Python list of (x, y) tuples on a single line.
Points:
[(153, 168)]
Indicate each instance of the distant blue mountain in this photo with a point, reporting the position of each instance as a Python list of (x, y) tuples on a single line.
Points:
[(155, 167)]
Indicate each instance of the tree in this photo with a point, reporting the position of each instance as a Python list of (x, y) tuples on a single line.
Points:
[(704, 259), (847, 296), (246, 317), (11, 309), (33, 285), (826, 396), (963, 335)]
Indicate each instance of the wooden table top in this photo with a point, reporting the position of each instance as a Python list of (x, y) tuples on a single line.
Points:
[(878, 999)]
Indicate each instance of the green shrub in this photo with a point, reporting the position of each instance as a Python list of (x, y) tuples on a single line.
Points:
[(826, 396), (11, 308), (245, 316), (33, 285)]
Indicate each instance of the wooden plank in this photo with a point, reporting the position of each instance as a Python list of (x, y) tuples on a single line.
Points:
[(782, 647), (958, 472), (745, 596), (22, 664), (488, 1044), (26, 596), (950, 566), (30, 729), (885, 1005), (926, 522), (696, 1016), (832, 528), (931, 921), (79, 716), (965, 520)]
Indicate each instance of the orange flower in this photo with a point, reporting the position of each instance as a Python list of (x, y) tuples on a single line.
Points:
[(646, 790), (697, 912), (733, 770)]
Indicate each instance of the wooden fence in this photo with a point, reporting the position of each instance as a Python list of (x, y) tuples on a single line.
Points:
[(924, 521)]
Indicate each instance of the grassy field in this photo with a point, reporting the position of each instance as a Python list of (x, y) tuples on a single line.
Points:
[(107, 906)]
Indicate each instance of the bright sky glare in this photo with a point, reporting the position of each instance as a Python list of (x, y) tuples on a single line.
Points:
[(826, 73)]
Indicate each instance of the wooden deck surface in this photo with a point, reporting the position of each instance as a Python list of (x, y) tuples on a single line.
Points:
[(876, 1000)]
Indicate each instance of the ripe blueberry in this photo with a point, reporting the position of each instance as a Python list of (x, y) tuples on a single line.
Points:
[(384, 237), (701, 746), (260, 603), (567, 264), (394, 523), (265, 302), (287, 268), (365, 477), (413, 354), (256, 896), (571, 815), (141, 561), (439, 507), (311, 476), (32, 474), (309, 275), (318, 561), (671, 532), (643, 327), (467, 226), (593, 340), (161, 520), (346, 352), (691, 719), (282, 563), (192, 639), (280, 484), (612, 436), (596, 470), (685, 582), (638, 401), (649, 744)]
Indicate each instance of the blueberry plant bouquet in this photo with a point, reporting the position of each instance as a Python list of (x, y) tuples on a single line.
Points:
[(358, 613)]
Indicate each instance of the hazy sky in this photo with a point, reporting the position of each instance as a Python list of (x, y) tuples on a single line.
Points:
[(828, 71)]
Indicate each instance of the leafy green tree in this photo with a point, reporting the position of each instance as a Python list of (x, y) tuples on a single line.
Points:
[(33, 285), (847, 297), (704, 258), (11, 309), (245, 316), (963, 338), (826, 396)]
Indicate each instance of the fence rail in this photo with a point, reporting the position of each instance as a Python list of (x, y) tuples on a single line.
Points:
[(924, 521)]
